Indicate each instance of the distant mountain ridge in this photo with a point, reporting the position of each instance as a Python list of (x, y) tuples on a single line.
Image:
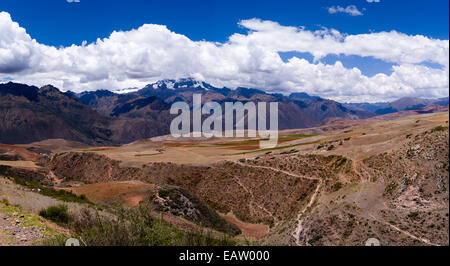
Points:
[(410, 103), (371, 107), (29, 113), (402, 104)]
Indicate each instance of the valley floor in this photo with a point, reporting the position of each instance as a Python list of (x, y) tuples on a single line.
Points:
[(338, 184)]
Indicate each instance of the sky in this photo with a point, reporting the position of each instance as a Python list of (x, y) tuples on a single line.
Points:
[(353, 51)]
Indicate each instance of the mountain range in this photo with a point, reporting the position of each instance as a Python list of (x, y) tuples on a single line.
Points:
[(29, 113), (403, 104)]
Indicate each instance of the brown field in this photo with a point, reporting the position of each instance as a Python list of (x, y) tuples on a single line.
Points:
[(360, 139), (128, 192), (193, 153), (20, 164), (249, 230), (330, 185)]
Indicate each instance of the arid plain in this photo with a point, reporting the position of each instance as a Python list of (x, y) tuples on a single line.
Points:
[(337, 184)]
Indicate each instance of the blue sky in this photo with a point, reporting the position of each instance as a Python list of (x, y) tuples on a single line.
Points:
[(341, 49), (57, 22)]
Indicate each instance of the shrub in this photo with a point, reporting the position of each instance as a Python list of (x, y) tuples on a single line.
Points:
[(182, 203), (439, 128), (57, 214), (138, 227), (390, 188), (413, 215), (337, 186), (62, 195), (314, 239), (5, 201)]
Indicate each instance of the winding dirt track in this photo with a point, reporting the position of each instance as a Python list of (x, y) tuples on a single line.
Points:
[(299, 227), (426, 241)]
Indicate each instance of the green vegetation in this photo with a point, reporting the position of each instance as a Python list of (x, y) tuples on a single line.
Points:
[(134, 227), (337, 186), (413, 215), (92, 150), (28, 220), (5, 201), (390, 188), (239, 143), (439, 128), (182, 203), (37, 182), (147, 154), (289, 152), (350, 226), (62, 195), (276, 148), (314, 239), (282, 138), (57, 214)]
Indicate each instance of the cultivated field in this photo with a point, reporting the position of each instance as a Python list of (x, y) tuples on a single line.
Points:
[(338, 184)]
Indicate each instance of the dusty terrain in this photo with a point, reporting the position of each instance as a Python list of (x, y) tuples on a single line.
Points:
[(338, 184), (19, 221), (129, 193)]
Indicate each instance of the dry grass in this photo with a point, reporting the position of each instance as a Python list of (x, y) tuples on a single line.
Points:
[(255, 231), (130, 192), (20, 164)]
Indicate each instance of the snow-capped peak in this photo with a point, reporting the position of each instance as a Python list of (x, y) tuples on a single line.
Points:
[(180, 83), (125, 91)]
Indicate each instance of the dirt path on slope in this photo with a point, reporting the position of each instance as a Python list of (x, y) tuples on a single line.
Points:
[(18, 228), (252, 202), (426, 241), (248, 230), (299, 227)]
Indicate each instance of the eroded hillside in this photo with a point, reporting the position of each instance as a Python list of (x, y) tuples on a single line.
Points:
[(384, 179), (401, 197)]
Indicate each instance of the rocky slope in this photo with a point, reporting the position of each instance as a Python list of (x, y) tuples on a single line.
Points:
[(29, 114), (399, 197)]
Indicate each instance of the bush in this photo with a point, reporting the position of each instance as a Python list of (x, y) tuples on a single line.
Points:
[(337, 186), (182, 203), (62, 195), (5, 201), (413, 215), (57, 214), (439, 128), (137, 227), (314, 239), (390, 188)]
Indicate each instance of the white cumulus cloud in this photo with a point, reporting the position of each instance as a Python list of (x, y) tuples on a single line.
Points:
[(134, 58), (352, 10)]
